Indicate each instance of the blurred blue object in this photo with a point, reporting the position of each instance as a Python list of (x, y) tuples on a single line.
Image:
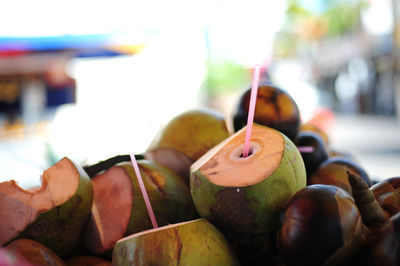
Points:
[(45, 43), (90, 45)]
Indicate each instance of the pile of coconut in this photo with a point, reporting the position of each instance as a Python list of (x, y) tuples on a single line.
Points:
[(290, 199)]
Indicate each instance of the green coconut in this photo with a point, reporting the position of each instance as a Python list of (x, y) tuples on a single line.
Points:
[(54, 214), (195, 242), (168, 194), (242, 196), (186, 138)]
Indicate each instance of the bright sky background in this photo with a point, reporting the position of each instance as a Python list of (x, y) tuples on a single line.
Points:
[(240, 30), (52, 18)]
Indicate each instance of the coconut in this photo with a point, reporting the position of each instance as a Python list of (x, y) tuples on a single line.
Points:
[(195, 242), (111, 210), (186, 138), (242, 196), (54, 214), (33, 252), (168, 193), (87, 261)]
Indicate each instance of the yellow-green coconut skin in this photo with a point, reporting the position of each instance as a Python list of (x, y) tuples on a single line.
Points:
[(195, 243), (168, 193)]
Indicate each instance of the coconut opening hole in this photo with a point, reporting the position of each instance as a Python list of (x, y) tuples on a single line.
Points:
[(237, 153), (250, 153)]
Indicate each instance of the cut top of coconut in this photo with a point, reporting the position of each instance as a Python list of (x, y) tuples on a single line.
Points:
[(225, 166), (20, 207), (158, 229)]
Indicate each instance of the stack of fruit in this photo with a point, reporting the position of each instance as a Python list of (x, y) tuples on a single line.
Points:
[(280, 205)]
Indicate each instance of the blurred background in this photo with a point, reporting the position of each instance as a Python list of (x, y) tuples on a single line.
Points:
[(92, 79)]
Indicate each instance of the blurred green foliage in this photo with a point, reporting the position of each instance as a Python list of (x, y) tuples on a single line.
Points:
[(309, 21), (343, 17), (224, 76), (339, 16)]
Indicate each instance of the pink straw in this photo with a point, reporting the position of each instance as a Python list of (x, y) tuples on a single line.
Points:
[(306, 149), (252, 107), (144, 192)]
